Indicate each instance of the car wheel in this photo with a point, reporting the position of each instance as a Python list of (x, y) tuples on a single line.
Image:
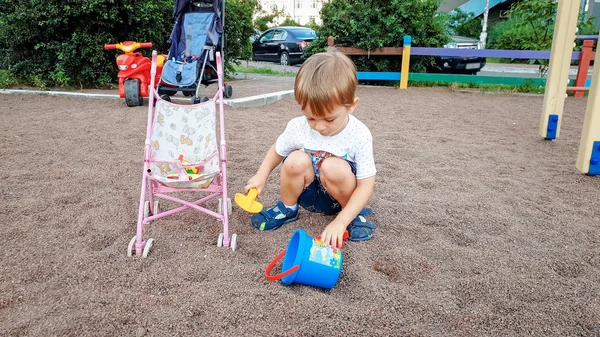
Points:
[(284, 58)]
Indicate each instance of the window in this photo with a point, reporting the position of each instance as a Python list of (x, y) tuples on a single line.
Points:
[(314, 3), (298, 3), (267, 36), (279, 35)]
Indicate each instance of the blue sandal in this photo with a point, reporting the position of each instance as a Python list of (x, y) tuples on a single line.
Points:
[(274, 217), (360, 229)]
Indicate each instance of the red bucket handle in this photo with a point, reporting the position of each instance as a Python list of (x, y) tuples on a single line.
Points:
[(283, 273)]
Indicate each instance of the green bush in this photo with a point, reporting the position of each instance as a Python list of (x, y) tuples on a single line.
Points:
[(60, 42), (238, 29), (370, 24), (531, 27), (56, 42)]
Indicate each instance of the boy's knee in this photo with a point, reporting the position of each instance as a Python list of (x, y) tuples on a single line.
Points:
[(296, 163), (336, 171)]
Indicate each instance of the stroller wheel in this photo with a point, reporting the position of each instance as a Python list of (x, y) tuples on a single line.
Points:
[(146, 209), (222, 207), (233, 244), (132, 93), (166, 92), (147, 247), (228, 91), (165, 97), (131, 247), (202, 99)]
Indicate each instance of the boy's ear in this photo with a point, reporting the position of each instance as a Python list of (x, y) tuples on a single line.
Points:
[(353, 105)]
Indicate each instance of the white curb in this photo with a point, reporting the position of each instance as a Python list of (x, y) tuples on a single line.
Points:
[(244, 102)]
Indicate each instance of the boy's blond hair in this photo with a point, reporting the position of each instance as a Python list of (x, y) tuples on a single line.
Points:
[(324, 81)]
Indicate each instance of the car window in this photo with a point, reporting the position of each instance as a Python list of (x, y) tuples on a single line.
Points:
[(304, 34), (268, 35), (279, 35)]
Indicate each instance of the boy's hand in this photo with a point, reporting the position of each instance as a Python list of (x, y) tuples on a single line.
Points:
[(333, 234), (257, 182)]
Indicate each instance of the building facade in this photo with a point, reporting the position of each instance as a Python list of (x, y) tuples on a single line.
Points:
[(301, 11)]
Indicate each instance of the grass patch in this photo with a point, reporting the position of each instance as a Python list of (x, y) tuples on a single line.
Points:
[(496, 60), (7, 79), (262, 71), (482, 87)]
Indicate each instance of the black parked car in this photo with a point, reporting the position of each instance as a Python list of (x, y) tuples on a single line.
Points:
[(458, 65), (283, 44)]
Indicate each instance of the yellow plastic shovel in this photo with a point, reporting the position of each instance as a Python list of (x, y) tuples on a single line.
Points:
[(248, 203)]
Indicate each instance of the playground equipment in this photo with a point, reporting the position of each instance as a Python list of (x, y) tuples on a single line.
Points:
[(588, 158), (134, 71)]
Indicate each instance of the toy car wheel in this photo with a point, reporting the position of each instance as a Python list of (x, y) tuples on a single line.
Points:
[(228, 91), (132, 93), (188, 93), (284, 58), (165, 97)]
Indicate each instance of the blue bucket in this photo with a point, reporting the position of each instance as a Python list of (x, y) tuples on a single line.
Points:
[(308, 261)]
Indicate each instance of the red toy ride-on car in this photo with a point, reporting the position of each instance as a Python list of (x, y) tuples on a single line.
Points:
[(134, 71)]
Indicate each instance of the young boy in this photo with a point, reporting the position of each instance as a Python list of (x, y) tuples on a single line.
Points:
[(327, 154)]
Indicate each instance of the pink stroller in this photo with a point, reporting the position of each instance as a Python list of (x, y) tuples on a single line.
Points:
[(181, 155)]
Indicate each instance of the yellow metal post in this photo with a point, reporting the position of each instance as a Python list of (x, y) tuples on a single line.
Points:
[(405, 62)]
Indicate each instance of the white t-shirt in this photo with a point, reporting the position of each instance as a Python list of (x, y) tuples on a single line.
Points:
[(354, 143)]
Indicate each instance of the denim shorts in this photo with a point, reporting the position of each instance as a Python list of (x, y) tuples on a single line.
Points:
[(315, 198)]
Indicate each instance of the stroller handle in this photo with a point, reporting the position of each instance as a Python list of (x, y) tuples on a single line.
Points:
[(128, 47)]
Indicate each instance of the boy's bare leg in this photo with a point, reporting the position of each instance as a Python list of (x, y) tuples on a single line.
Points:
[(338, 179), (296, 173)]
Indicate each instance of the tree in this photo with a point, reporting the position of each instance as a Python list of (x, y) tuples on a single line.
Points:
[(289, 22), (264, 19), (464, 24), (55, 42), (371, 24), (531, 27), (238, 29)]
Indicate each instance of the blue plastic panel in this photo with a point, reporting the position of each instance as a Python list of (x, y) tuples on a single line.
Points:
[(382, 76), (552, 126), (595, 160)]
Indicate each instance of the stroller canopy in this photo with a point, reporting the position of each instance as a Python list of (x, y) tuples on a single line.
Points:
[(205, 24), (190, 6)]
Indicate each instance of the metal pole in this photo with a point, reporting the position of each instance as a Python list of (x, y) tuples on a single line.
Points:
[(483, 36)]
